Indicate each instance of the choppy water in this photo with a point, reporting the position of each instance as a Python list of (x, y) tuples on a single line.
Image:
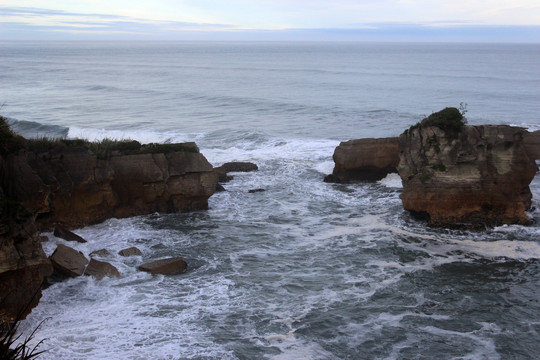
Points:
[(304, 270)]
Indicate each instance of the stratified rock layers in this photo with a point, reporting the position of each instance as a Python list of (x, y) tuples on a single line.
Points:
[(75, 188), (480, 175), (70, 185), (365, 159)]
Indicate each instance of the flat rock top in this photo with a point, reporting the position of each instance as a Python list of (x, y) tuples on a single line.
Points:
[(165, 266), (69, 261)]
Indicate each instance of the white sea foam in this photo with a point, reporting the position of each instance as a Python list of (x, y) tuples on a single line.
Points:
[(391, 180), (144, 136)]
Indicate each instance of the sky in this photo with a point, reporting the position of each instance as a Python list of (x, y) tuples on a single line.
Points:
[(392, 20)]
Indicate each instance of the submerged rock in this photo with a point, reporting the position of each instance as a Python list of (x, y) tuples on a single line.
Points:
[(165, 266), (239, 166), (68, 261), (101, 253), (256, 190)]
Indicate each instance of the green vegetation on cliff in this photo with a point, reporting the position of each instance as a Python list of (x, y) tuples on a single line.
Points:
[(11, 143), (451, 120)]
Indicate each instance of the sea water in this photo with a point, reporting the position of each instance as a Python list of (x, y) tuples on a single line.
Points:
[(305, 269)]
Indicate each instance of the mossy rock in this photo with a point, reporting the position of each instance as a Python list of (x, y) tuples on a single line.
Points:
[(450, 120)]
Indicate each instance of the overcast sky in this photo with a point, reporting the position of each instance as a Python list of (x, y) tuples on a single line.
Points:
[(445, 20)]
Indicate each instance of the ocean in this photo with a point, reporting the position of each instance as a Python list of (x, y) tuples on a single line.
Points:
[(305, 269)]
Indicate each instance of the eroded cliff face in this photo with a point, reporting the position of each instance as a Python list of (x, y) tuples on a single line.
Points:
[(75, 188), (72, 186), (364, 160), (480, 175), (23, 264)]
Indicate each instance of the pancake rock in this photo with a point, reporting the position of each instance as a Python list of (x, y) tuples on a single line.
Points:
[(475, 176), (23, 264), (74, 186), (44, 183), (364, 160)]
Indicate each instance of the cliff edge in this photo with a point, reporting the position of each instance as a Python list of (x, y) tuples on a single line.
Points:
[(76, 183)]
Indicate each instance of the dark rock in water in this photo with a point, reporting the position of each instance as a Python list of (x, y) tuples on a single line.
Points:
[(364, 160), (23, 264), (101, 252), (239, 167), (43, 238), (68, 261), (63, 233), (331, 179), (256, 191), (220, 188), (222, 174), (132, 251), (479, 175), (165, 266), (100, 269)]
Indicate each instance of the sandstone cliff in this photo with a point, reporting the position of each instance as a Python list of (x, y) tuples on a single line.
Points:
[(364, 159), (76, 183), (479, 175), (72, 186)]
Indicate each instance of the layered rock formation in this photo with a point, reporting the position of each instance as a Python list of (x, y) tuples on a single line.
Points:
[(364, 160), (75, 183), (480, 175), (23, 264), (72, 186)]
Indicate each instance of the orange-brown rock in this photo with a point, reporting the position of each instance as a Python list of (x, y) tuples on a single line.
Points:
[(480, 175), (75, 188), (68, 261), (167, 266), (23, 264), (65, 182), (364, 160), (100, 269)]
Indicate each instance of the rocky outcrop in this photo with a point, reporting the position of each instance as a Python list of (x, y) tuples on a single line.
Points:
[(531, 142), (74, 187), (76, 183), (23, 264), (479, 175), (364, 160)]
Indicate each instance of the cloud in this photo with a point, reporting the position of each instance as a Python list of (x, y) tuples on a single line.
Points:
[(19, 23)]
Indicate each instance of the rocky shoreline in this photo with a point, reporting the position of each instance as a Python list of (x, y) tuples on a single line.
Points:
[(453, 176), (469, 176)]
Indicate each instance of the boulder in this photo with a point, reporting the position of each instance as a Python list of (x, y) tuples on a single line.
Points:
[(165, 266), (101, 253), (476, 176), (132, 251), (364, 160), (100, 269), (63, 233), (68, 261)]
